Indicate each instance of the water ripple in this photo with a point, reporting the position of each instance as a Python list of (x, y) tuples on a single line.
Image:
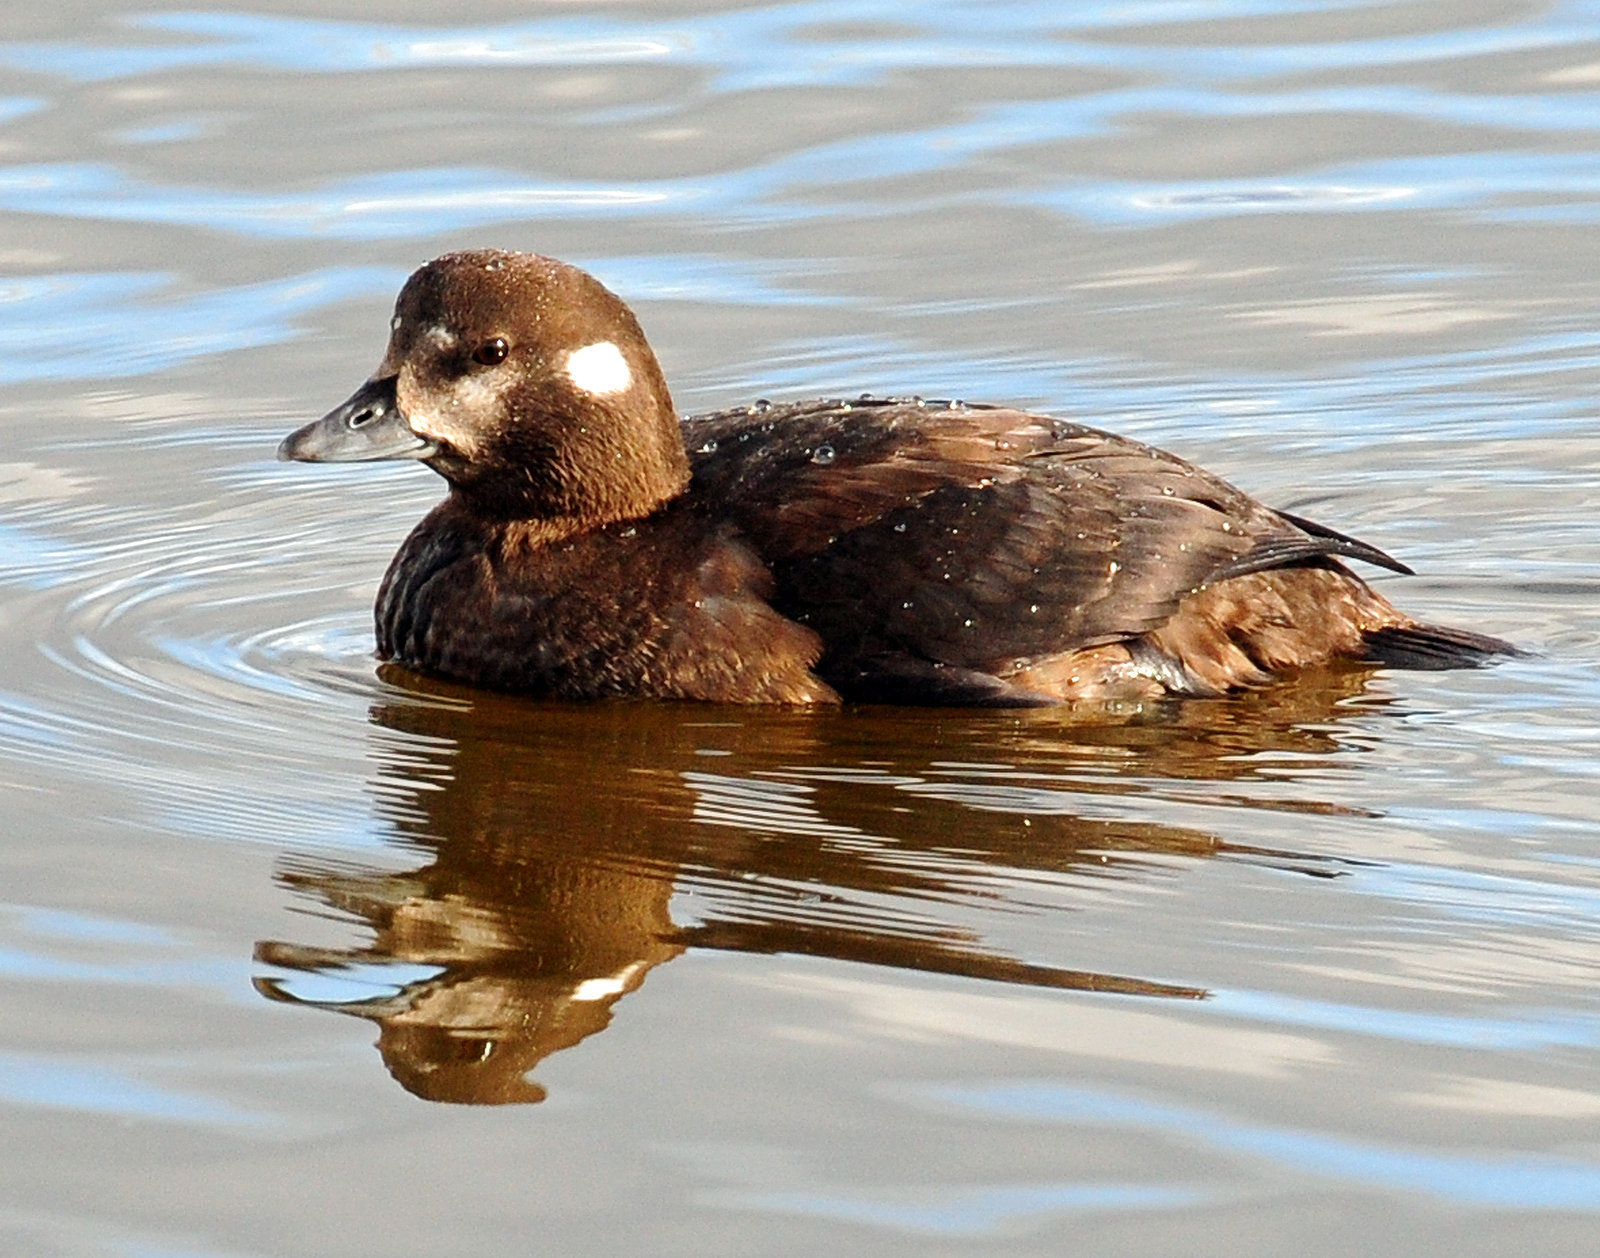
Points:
[(371, 208), (1504, 1181), (961, 1211), (103, 325), (417, 203), (774, 47), (51, 1082)]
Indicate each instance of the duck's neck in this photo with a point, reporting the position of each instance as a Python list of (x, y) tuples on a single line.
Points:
[(614, 471)]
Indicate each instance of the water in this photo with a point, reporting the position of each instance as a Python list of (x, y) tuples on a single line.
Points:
[(299, 958)]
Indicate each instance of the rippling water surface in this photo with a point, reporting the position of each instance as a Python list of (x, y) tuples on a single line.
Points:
[(303, 958)]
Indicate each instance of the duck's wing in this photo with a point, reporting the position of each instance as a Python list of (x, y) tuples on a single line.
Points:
[(973, 535)]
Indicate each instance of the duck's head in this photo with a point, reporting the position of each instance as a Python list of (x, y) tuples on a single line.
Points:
[(522, 381)]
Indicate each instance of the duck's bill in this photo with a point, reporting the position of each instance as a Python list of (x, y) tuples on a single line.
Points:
[(368, 426)]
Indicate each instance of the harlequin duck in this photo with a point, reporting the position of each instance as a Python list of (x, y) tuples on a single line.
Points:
[(882, 549)]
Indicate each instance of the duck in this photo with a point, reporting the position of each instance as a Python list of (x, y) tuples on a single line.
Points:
[(594, 545)]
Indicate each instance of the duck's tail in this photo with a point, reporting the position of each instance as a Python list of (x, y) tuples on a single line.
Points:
[(1433, 647)]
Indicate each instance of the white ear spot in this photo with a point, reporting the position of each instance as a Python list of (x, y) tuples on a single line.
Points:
[(599, 368)]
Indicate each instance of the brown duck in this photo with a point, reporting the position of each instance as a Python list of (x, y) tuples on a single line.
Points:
[(895, 550)]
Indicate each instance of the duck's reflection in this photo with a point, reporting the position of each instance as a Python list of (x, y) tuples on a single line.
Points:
[(557, 838)]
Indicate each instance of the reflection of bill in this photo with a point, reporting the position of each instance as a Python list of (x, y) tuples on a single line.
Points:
[(557, 838)]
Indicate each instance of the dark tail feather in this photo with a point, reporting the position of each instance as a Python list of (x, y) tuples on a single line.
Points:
[(1433, 647)]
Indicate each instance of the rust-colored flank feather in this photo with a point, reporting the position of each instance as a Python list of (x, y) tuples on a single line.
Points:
[(593, 544)]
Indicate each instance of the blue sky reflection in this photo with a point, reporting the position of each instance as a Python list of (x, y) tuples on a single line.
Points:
[(1501, 1181)]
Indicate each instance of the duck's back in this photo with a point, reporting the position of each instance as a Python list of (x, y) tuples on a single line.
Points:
[(945, 552)]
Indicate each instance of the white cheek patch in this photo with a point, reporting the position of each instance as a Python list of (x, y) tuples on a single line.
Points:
[(599, 368)]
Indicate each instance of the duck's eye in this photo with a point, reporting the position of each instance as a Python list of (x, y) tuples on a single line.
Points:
[(491, 352)]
